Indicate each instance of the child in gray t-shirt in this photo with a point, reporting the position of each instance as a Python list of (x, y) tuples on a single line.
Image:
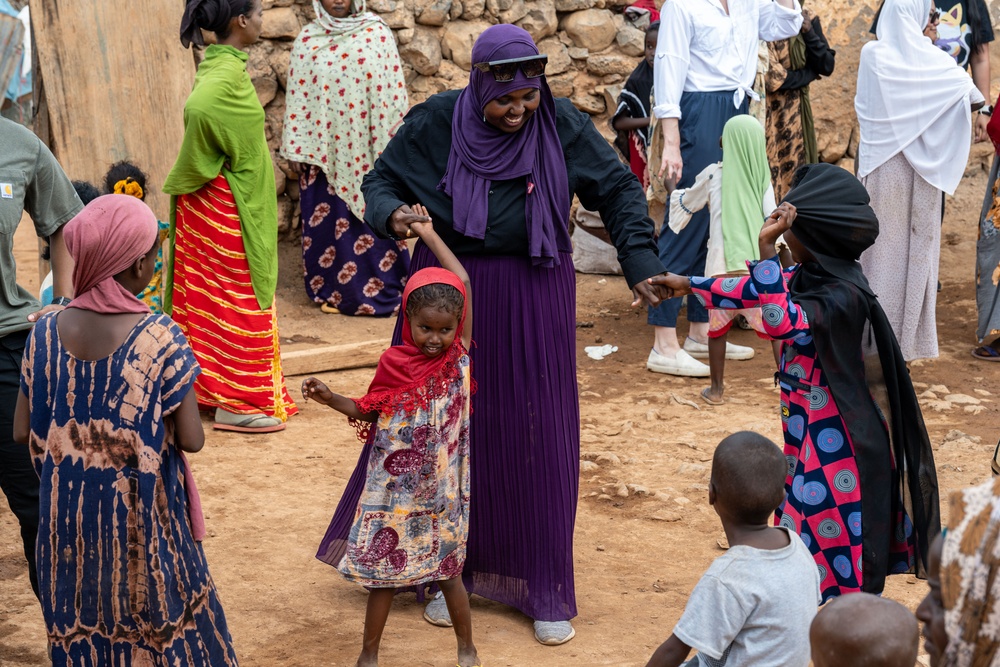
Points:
[(754, 605)]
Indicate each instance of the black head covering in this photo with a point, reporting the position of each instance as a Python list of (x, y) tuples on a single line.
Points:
[(836, 224), (833, 219), (212, 15)]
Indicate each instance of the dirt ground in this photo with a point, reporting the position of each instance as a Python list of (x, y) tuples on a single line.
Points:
[(644, 532)]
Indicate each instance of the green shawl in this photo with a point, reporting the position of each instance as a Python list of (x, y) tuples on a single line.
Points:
[(224, 133), (745, 178), (797, 60)]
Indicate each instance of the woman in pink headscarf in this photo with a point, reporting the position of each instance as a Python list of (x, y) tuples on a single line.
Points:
[(106, 407)]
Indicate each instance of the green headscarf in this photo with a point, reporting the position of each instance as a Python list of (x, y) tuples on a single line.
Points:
[(745, 178), (224, 133)]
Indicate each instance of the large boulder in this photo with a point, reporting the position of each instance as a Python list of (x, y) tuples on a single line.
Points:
[(559, 60), (603, 64), (592, 29), (541, 20), (574, 5), (423, 52), (456, 45), (432, 12), (280, 23)]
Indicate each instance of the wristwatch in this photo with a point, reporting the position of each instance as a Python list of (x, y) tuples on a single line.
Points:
[(61, 301), (987, 110)]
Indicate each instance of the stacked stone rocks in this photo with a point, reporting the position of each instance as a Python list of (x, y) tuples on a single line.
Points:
[(591, 47)]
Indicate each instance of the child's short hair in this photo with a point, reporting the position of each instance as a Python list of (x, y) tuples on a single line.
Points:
[(436, 295), (86, 191), (864, 630), (121, 172), (748, 473), (655, 25)]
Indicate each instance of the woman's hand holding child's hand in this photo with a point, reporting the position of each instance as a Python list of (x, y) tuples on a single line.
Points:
[(316, 390), (675, 285), (421, 228), (404, 217)]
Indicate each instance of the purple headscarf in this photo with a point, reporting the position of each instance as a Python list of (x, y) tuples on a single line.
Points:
[(481, 153)]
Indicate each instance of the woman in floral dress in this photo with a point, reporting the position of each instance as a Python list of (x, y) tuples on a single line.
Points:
[(345, 97), (865, 505)]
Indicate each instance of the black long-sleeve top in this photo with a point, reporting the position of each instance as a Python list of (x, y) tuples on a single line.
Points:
[(415, 160), (819, 59)]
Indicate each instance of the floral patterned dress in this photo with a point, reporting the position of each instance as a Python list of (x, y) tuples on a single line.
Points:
[(823, 504), (412, 520)]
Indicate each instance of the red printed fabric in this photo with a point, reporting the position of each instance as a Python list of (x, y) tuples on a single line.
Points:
[(235, 341)]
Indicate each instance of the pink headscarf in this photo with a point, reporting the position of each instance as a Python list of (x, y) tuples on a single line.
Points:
[(104, 239)]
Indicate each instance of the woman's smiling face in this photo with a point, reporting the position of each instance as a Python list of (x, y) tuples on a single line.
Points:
[(509, 112)]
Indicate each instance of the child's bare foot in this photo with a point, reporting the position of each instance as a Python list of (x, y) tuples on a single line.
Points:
[(366, 660), (468, 657), (712, 395)]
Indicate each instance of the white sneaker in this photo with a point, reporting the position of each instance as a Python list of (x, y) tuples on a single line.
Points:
[(682, 365), (733, 352)]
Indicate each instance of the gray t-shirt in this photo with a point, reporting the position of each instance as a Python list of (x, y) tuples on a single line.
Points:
[(30, 180), (753, 607)]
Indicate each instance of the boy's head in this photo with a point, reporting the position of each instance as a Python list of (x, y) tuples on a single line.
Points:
[(748, 478), (652, 32), (864, 630)]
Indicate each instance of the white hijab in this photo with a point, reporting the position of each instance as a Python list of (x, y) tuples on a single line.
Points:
[(913, 98)]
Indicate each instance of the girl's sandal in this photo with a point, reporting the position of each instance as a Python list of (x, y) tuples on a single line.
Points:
[(708, 399), (986, 353), (259, 423), (327, 308)]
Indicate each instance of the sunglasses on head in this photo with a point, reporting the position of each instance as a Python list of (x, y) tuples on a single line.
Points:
[(504, 71), (935, 15)]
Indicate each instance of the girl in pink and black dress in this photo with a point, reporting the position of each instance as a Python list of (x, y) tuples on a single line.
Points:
[(847, 480), (346, 96)]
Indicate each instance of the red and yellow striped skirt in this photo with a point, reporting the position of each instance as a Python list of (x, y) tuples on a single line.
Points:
[(235, 342)]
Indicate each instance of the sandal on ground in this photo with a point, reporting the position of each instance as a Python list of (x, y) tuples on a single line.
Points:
[(259, 423), (708, 399), (986, 353), (554, 633), (327, 308), (436, 612)]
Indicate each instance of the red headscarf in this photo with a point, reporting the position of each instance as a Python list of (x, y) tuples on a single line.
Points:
[(407, 378), (104, 239)]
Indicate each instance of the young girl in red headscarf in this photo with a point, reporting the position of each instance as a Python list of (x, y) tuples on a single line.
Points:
[(412, 518)]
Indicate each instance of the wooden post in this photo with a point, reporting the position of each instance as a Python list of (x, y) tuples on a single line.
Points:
[(332, 358)]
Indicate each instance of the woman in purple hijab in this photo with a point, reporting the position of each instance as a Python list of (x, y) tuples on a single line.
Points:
[(497, 165)]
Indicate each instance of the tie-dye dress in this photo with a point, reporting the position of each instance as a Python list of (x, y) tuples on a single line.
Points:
[(823, 503), (123, 583)]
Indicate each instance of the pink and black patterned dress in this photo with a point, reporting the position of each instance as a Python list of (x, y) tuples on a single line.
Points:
[(824, 498)]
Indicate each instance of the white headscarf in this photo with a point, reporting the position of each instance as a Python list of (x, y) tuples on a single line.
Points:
[(913, 98)]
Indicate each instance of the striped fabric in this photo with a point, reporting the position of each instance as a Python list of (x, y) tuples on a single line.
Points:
[(235, 342)]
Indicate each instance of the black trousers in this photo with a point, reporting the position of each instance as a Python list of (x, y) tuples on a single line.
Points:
[(17, 476)]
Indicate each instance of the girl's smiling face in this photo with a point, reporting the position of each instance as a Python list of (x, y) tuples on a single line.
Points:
[(338, 9), (433, 330)]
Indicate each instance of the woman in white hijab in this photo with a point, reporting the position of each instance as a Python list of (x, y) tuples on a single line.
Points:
[(914, 107)]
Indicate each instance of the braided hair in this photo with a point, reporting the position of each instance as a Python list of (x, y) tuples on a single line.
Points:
[(211, 15), (436, 295)]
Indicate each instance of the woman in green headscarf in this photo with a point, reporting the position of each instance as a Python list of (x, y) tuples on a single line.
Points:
[(224, 228), (794, 64), (738, 203)]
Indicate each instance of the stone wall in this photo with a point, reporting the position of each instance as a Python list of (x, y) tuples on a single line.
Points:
[(591, 48)]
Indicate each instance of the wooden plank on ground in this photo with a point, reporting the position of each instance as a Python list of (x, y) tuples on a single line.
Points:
[(116, 78), (332, 358)]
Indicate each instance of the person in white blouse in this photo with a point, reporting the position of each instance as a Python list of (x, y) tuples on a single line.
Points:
[(706, 60)]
